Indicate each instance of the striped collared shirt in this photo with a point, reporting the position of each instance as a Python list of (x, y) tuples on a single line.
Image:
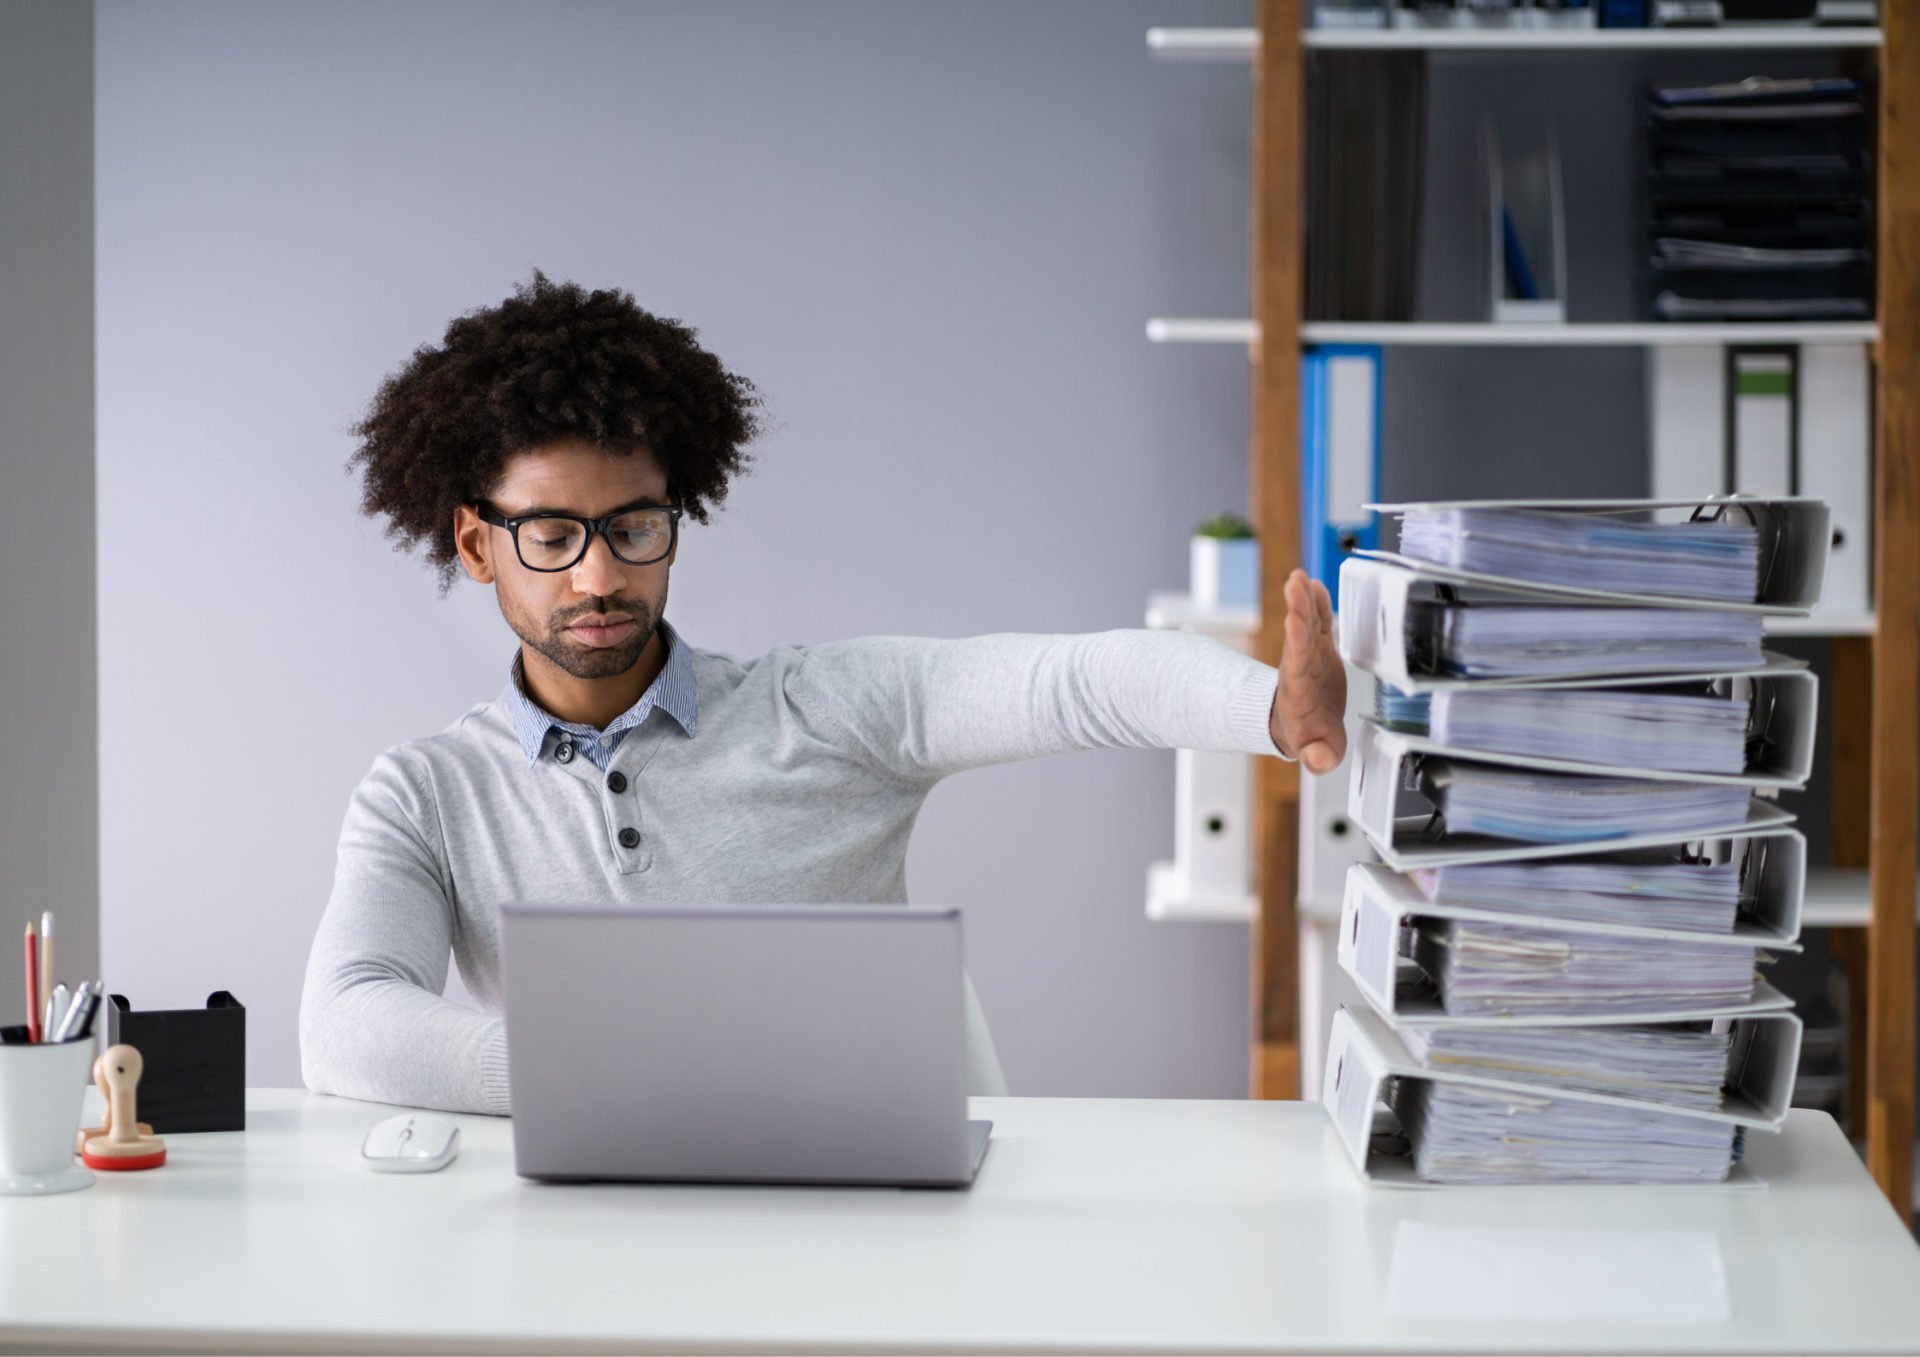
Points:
[(672, 692)]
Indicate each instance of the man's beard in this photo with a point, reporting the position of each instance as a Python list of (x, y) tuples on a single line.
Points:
[(583, 661)]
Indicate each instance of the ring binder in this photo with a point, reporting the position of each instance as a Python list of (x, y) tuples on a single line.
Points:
[(1793, 551), (1369, 1072)]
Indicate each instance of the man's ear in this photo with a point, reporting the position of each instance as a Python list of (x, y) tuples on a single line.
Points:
[(475, 544)]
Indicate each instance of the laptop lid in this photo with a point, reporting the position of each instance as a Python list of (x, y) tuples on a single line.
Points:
[(753, 1043)]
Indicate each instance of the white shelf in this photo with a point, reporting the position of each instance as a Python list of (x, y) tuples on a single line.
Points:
[(1822, 624), (1588, 336), (1176, 330), (1178, 612), (1783, 38), (1167, 901), (1203, 44), (1199, 330), (1240, 44), (1837, 898)]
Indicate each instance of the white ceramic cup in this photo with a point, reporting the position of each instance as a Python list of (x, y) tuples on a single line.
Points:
[(42, 1093)]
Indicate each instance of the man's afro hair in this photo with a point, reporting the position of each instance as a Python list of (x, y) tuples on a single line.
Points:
[(551, 362)]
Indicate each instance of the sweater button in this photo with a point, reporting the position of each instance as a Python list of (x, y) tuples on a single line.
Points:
[(629, 837), (616, 782), (564, 753)]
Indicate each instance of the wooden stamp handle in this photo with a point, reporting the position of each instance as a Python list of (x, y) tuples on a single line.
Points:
[(120, 1070)]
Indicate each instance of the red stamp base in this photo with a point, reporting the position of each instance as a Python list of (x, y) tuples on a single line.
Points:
[(121, 1163)]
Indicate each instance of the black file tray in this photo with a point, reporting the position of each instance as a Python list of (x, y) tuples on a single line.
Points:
[(193, 1063)]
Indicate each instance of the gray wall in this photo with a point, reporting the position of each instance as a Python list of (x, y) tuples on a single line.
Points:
[(929, 232), (49, 742)]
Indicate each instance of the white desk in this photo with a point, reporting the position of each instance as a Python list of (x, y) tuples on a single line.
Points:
[(1205, 1227)]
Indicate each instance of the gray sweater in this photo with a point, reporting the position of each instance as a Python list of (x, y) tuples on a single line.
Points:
[(801, 786)]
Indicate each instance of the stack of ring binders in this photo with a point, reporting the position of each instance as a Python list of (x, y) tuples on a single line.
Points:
[(1570, 784)]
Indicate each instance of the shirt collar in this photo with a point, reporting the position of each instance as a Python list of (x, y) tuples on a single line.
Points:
[(672, 692)]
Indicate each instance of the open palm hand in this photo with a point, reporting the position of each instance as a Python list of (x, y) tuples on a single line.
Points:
[(1310, 705)]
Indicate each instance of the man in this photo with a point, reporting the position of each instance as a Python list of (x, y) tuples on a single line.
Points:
[(551, 448)]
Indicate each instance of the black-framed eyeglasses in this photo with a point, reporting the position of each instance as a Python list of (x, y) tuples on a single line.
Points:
[(549, 540)]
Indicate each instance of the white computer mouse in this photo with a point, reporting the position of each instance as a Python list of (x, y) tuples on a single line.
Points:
[(415, 1142)]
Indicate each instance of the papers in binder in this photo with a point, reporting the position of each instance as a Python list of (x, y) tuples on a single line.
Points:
[(1579, 726), (1496, 1131), (1486, 969), (1690, 556), (1543, 807), (1653, 888), (1504, 641), (1422, 633), (1736, 1065), (1671, 731), (1691, 888), (1468, 1133), (1579, 972), (1681, 1064), (1707, 559), (1387, 799)]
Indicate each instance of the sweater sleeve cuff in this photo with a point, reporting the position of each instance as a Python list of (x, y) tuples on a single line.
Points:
[(1251, 711), (494, 1089)]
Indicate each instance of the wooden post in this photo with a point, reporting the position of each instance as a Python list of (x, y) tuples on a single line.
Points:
[(1276, 269), (1849, 709), (1896, 599)]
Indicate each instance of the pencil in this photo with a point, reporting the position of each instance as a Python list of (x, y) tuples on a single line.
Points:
[(46, 967), (33, 988)]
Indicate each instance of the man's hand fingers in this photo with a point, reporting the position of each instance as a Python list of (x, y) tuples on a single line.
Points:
[(1319, 757), (1310, 708), (1299, 601)]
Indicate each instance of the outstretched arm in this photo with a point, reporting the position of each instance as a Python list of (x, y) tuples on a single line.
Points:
[(923, 709)]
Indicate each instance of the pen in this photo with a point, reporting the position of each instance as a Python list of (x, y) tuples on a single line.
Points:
[(70, 1020), (56, 1009), (33, 987), (93, 1007)]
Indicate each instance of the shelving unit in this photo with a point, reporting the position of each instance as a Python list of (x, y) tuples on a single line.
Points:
[(1585, 39), (1172, 330), (1242, 44), (1876, 668)]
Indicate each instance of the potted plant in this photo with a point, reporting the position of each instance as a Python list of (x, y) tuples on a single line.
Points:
[(1224, 564)]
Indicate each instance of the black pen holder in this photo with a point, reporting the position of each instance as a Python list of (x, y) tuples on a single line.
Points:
[(194, 1063)]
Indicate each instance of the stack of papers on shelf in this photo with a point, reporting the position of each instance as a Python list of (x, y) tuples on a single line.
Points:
[(1653, 888), (1647, 728), (1759, 197), (1710, 559), (1470, 1133), (1682, 1064), (1505, 641), (1489, 969), (1544, 807)]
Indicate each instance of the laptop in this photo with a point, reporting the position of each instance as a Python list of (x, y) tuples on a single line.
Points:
[(739, 1044)]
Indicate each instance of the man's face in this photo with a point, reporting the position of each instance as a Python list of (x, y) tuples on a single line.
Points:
[(546, 608)]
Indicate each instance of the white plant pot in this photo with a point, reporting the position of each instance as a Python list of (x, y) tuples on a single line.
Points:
[(1224, 572)]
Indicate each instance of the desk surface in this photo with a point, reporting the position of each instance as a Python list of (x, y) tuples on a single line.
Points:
[(1201, 1226)]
